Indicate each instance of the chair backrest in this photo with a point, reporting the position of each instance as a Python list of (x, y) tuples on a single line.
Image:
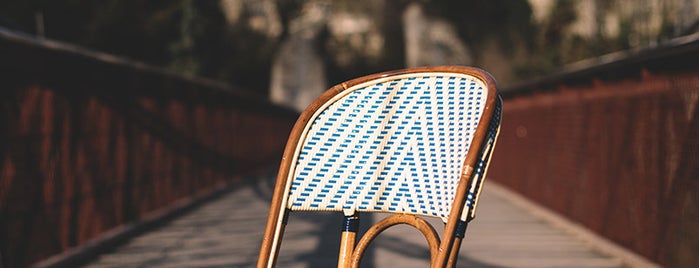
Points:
[(414, 141)]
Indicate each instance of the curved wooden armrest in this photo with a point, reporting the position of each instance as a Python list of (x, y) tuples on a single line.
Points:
[(423, 226)]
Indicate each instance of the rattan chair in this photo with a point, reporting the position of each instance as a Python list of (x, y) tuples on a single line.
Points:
[(413, 142)]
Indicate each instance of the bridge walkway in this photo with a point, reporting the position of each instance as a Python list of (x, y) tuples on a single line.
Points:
[(225, 232)]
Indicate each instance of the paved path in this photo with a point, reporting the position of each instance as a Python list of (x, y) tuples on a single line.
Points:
[(226, 232)]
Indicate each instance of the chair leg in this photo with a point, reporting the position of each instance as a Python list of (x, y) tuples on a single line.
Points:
[(348, 240), (459, 234), (271, 243), (454, 254)]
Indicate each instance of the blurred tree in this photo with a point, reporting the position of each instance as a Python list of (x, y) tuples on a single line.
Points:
[(184, 35), (508, 21), (345, 60), (197, 37)]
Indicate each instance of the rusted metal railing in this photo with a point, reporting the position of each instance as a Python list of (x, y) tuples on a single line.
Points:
[(613, 145), (90, 142)]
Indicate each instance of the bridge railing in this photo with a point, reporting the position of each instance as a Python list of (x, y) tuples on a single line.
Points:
[(614, 145), (90, 142)]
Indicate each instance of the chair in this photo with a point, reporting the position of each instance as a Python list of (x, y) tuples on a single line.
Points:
[(413, 142)]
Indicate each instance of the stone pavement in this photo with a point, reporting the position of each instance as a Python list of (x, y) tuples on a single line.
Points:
[(227, 231)]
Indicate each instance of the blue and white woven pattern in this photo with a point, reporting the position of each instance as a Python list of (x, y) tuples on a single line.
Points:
[(394, 145)]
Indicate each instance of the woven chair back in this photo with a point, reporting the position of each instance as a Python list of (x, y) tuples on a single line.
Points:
[(411, 142)]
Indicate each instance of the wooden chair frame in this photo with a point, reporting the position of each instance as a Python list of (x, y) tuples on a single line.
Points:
[(443, 251)]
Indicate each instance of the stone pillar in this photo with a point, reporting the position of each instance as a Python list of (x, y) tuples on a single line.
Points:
[(298, 72), (431, 41)]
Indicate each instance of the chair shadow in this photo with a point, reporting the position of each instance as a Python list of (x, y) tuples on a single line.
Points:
[(325, 253), (412, 250), (327, 228)]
